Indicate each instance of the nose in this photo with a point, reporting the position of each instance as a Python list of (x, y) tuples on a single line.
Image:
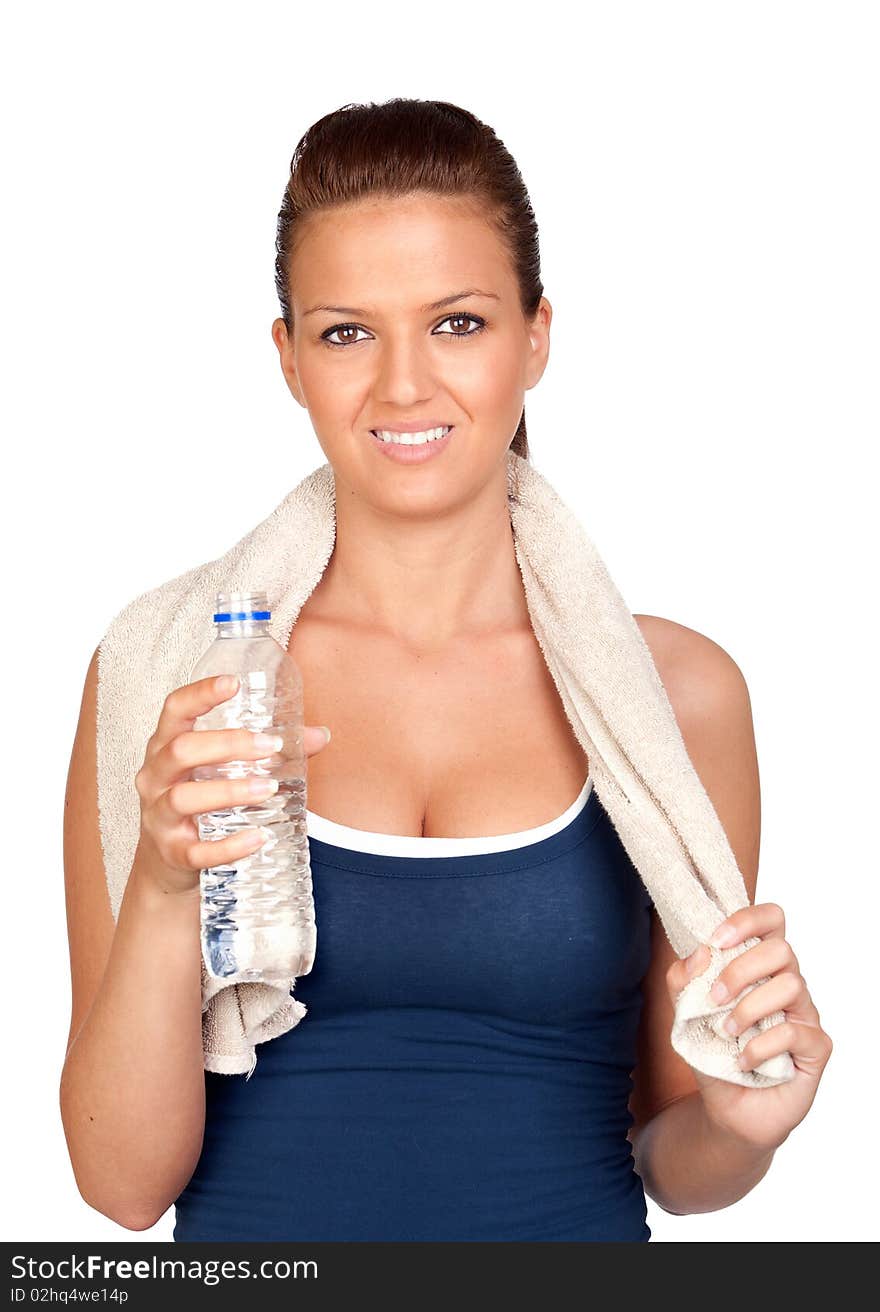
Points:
[(404, 373)]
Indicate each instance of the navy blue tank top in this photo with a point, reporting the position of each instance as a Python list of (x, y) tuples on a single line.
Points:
[(464, 1068)]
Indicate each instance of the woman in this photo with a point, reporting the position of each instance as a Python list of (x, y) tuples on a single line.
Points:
[(487, 1052)]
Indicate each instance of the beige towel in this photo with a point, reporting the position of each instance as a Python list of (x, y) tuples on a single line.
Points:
[(610, 689)]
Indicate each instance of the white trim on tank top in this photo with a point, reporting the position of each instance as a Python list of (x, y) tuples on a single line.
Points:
[(364, 840)]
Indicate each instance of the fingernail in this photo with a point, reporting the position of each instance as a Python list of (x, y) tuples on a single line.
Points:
[(252, 839), (719, 991), (268, 742), (262, 787), (325, 731), (723, 936)]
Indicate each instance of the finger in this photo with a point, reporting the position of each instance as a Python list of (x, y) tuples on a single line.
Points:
[(781, 993), (177, 760), (768, 957), (810, 1046), (801, 1009), (764, 919), (196, 747), (184, 705), (208, 853), (180, 845), (192, 798)]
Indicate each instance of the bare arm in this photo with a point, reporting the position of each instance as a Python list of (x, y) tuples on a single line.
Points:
[(132, 1089), (688, 1165)]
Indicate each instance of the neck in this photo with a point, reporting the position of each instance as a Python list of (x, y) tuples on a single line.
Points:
[(426, 581)]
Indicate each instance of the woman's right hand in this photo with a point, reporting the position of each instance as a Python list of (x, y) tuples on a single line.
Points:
[(171, 800)]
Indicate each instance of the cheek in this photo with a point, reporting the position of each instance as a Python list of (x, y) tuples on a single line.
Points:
[(483, 374), (330, 391)]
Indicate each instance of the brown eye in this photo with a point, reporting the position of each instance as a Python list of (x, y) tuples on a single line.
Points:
[(340, 328), (467, 318)]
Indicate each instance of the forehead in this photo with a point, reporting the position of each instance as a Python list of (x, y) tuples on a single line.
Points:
[(398, 252)]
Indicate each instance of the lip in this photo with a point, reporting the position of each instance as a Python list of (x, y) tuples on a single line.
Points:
[(413, 455)]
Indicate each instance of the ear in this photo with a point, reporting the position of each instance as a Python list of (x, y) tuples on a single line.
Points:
[(284, 343), (539, 343)]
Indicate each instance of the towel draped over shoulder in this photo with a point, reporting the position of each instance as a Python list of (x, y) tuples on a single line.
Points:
[(608, 685)]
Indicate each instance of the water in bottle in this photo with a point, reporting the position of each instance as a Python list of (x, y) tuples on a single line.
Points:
[(257, 912)]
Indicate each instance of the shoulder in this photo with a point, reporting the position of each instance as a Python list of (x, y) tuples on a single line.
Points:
[(697, 673), (712, 706)]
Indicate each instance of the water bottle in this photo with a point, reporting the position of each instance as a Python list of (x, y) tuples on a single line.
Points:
[(257, 913)]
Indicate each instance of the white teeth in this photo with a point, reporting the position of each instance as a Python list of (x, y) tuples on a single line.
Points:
[(411, 439)]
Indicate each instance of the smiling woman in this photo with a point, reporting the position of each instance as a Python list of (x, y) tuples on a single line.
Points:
[(337, 254), (475, 1012)]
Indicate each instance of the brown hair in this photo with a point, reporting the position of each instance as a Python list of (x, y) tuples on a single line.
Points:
[(400, 147)]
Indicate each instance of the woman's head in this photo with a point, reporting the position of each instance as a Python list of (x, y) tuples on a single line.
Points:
[(390, 208)]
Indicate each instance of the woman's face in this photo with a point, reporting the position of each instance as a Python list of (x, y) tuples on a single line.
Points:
[(387, 357)]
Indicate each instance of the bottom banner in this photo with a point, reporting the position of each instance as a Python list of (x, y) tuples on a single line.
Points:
[(134, 1276)]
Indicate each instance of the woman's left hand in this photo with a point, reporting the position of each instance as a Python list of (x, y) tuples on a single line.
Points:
[(763, 1118)]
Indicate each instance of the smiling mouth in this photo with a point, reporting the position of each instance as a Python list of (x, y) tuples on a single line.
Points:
[(412, 439)]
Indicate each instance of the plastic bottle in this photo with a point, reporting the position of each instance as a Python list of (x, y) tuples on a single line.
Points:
[(257, 914)]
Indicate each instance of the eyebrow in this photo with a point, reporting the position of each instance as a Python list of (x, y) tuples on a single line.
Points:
[(434, 305)]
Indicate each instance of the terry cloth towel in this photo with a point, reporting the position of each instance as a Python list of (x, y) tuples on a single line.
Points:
[(609, 687)]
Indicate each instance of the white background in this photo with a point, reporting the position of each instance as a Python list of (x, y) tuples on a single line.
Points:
[(705, 181)]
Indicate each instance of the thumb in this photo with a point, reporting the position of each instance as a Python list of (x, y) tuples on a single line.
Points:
[(315, 737), (684, 969)]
